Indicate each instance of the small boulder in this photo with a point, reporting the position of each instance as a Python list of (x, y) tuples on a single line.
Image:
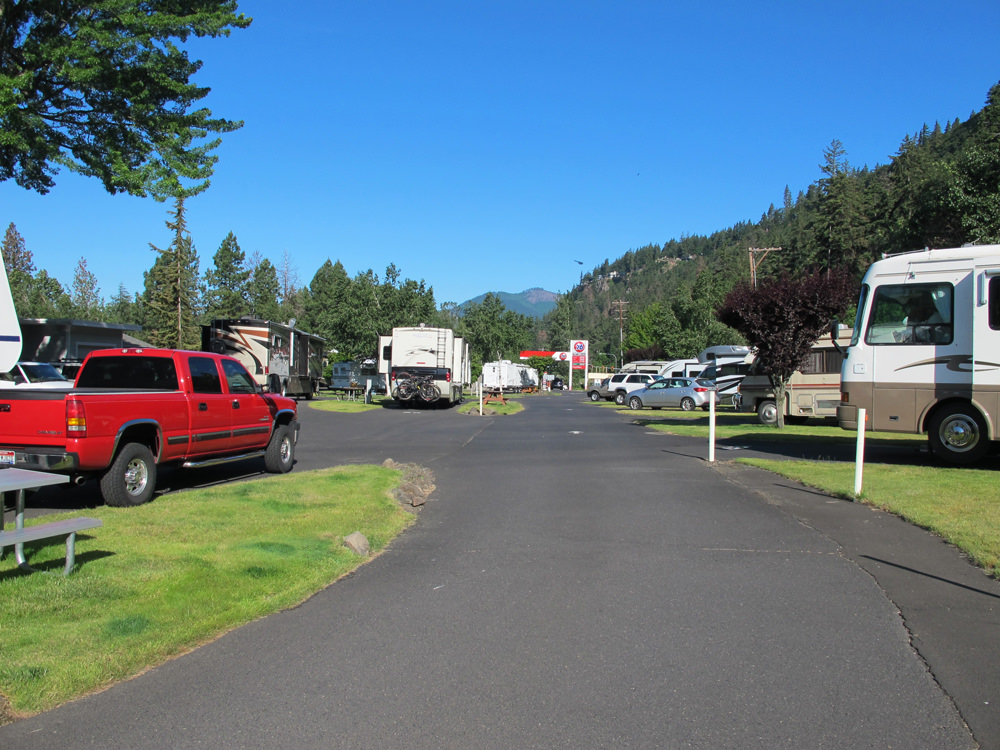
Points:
[(357, 543)]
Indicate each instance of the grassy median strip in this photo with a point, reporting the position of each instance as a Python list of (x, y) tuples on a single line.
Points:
[(160, 579)]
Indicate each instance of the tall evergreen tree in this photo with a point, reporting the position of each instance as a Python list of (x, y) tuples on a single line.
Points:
[(976, 190), (263, 289), (20, 267), (227, 282), (104, 88), (172, 294), (124, 307), (86, 300)]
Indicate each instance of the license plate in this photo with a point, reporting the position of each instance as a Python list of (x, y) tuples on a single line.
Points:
[(7, 457)]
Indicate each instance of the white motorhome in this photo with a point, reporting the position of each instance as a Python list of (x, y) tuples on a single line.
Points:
[(925, 354), (425, 365), (813, 391)]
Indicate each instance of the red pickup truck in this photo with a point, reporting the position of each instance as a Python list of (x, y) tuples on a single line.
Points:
[(133, 409)]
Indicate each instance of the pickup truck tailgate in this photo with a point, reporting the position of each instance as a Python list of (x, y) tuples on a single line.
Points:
[(30, 417)]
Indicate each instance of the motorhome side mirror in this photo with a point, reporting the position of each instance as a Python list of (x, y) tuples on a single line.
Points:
[(834, 333)]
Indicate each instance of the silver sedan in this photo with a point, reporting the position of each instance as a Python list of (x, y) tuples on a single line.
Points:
[(686, 393)]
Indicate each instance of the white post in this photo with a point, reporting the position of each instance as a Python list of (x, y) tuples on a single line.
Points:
[(480, 397), (711, 428), (859, 457)]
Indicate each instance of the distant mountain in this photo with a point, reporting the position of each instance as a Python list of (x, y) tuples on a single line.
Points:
[(533, 302)]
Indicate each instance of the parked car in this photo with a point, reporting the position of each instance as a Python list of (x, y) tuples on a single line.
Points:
[(34, 375), (622, 384), (686, 393), (600, 391), (557, 384)]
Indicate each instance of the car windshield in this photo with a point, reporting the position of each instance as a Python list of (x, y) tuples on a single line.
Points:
[(41, 372)]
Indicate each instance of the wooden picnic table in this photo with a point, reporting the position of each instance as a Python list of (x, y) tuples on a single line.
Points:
[(494, 396)]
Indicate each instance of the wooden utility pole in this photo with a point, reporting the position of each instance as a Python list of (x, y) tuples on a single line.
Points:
[(620, 305), (756, 261)]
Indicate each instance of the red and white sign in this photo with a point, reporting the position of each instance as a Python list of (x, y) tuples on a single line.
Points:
[(579, 348)]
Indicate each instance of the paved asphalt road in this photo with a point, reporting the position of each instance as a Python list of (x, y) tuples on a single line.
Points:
[(578, 581)]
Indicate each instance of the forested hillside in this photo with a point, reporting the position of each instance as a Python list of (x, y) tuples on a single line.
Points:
[(941, 189)]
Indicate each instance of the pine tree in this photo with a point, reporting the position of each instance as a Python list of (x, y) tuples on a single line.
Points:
[(20, 267), (227, 282), (124, 308), (263, 288), (975, 193), (86, 296), (172, 294)]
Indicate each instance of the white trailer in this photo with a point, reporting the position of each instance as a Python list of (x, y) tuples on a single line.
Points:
[(925, 354), (509, 376), (281, 358), (425, 365)]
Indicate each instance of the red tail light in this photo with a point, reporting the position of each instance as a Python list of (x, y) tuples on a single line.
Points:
[(76, 419), (447, 376), (701, 390)]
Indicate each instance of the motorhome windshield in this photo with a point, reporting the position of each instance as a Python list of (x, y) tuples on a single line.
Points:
[(859, 315), (911, 314)]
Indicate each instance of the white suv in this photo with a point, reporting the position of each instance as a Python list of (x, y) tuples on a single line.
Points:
[(624, 383)]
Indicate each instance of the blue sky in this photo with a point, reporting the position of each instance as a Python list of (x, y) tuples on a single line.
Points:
[(487, 145)]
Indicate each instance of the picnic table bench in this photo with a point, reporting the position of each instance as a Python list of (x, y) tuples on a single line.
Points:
[(16, 481)]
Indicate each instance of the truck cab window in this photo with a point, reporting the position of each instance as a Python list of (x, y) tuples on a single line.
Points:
[(205, 375), (911, 314), (237, 377)]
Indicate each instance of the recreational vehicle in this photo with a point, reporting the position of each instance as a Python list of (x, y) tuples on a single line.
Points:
[(726, 366), (813, 391), (925, 352), (425, 365), (281, 358), (509, 376)]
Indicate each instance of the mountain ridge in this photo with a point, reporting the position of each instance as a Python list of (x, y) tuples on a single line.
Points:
[(534, 302)]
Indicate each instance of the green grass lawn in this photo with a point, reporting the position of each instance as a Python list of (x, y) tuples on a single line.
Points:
[(160, 579)]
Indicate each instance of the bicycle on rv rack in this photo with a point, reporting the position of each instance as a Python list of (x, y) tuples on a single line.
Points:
[(409, 387)]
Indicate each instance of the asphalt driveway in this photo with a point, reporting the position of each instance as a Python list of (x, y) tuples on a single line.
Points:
[(580, 581)]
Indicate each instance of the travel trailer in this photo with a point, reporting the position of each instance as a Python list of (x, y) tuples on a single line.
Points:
[(813, 391), (280, 357), (925, 353), (509, 376), (425, 365), (726, 366)]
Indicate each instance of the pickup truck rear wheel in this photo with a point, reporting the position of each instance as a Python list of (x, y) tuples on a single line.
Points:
[(280, 453), (594, 396), (131, 478)]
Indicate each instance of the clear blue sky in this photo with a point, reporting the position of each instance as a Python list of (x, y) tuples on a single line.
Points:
[(487, 145)]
